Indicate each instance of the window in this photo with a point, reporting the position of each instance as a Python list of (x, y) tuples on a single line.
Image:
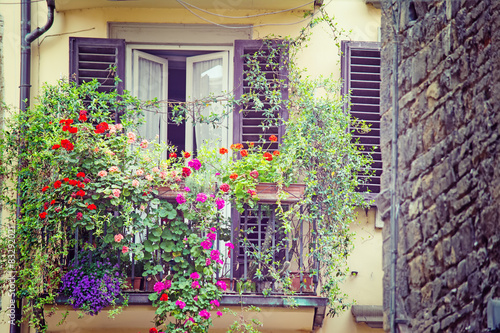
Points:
[(361, 78)]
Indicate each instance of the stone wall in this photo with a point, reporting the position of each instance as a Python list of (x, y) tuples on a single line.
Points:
[(448, 184)]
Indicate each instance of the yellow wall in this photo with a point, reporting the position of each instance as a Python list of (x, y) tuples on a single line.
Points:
[(50, 63)]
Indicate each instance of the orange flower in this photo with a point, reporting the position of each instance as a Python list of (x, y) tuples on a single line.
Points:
[(223, 151), (244, 152), (233, 176), (276, 153), (232, 146), (268, 156), (250, 144), (273, 138), (236, 146), (187, 154)]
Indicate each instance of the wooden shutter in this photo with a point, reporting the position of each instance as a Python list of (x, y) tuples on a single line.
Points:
[(248, 119), (91, 58), (361, 76)]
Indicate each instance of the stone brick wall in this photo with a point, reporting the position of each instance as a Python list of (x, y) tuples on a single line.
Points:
[(448, 184)]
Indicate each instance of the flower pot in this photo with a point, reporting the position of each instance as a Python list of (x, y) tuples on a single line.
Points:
[(268, 192), (137, 282), (149, 282), (128, 284), (307, 284), (229, 283)]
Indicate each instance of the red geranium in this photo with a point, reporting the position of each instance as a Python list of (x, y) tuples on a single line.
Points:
[(164, 297), (45, 188), (80, 193), (101, 128), (80, 174), (268, 156), (79, 216), (67, 145), (68, 122), (224, 187), (92, 207), (273, 138), (83, 115), (186, 172), (52, 202), (153, 330), (172, 155), (57, 184), (43, 215), (223, 151), (187, 154), (73, 182), (73, 130), (56, 146), (276, 153), (65, 128)]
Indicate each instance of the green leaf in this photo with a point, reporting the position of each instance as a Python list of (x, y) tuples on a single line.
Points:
[(148, 246)]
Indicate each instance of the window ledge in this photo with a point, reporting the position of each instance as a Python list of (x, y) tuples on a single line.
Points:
[(372, 315)]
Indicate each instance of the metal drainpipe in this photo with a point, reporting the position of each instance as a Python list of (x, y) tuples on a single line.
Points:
[(27, 38), (394, 172)]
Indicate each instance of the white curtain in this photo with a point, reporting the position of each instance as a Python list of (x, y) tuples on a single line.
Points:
[(150, 86), (207, 80)]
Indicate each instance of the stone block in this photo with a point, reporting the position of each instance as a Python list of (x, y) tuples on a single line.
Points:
[(418, 67)]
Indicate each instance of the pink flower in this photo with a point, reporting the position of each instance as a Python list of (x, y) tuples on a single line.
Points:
[(195, 285), (194, 276), (224, 187), (114, 169), (215, 302), (159, 287), (252, 192), (139, 172), (142, 207), (149, 177), (195, 298), (118, 238), (204, 314), (119, 127), (254, 174), (125, 249), (195, 164), (135, 183), (163, 175), (187, 189), (116, 192), (180, 304), (189, 319), (206, 244), (208, 262), (131, 137), (112, 129), (220, 203), (155, 170), (221, 284), (167, 284), (144, 144), (102, 173), (219, 313), (230, 245), (214, 254), (180, 198), (212, 236), (79, 216), (201, 197)]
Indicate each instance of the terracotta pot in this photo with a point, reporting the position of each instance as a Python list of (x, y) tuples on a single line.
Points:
[(307, 286), (150, 281), (268, 192), (229, 283), (137, 282)]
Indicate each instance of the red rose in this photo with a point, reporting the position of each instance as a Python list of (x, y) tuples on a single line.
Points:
[(224, 187), (91, 207), (153, 330), (43, 215), (56, 146), (268, 156), (223, 151), (233, 176), (244, 152), (187, 154), (172, 155), (80, 174), (45, 188), (57, 184), (273, 138), (164, 297), (186, 172)]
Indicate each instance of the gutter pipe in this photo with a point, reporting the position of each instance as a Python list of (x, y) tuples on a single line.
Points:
[(27, 37), (394, 223)]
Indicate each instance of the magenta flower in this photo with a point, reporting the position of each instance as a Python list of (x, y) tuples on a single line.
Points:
[(189, 319), (158, 287), (180, 304), (208, 261), (201, 197), (219, 313), (195, 164), (221, 284), (215, 302), (214, 255), (167, 284), (195, 285), (180, 199), (204, 314), (195, 298), (230, 245), (220, 203), (194, 276), (211, 236), (187, 189), (213, 229), (206, 244)]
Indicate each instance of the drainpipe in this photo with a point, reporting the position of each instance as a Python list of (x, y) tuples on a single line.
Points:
[(27, 37), (394, 172)]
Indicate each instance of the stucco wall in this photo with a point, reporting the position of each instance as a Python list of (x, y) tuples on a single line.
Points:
[(448, 185)]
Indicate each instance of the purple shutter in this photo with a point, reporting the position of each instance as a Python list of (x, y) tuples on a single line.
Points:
[(91, 58), (361, 76), (247, 119)]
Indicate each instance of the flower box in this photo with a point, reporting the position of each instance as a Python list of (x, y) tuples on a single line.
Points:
[(268, 193)]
